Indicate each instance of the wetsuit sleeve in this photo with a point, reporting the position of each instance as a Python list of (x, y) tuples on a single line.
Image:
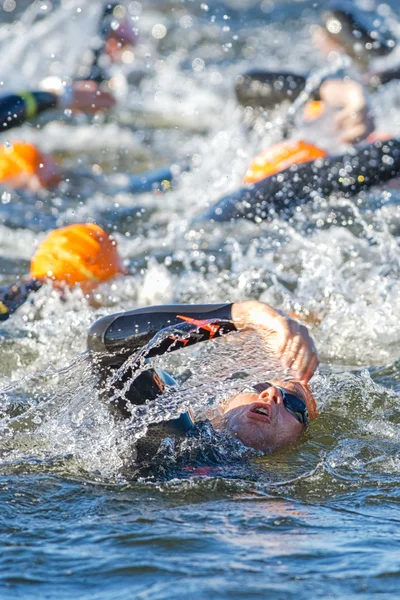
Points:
[(13, 296), (116, 337), (15, 109), (347, 175), (383, 77)]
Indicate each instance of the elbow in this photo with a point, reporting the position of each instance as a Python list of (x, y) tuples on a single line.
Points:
[(96, 340)]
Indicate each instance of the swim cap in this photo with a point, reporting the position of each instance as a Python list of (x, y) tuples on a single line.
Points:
[(359, 33), (313, 110), (281, 156), (83, 254), (21, 161)]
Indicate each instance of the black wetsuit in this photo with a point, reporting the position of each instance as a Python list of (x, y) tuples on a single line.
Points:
[(149, 332), (16, 109), (347, 175), (97, 72)]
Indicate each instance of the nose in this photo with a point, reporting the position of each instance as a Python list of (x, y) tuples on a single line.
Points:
[(272, 394)]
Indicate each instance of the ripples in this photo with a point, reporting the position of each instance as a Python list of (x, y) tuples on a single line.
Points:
[(318, 519)]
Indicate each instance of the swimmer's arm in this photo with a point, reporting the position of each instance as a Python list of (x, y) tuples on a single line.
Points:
[(81, 95), (16, 109), (116, 337), (353, 120), (375, 80), (13, 296)]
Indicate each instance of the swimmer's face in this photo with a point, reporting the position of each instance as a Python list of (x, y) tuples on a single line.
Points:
[(261, 421), (122, 39)]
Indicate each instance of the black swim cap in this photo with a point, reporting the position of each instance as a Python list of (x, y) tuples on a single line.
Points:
[(357, 32)]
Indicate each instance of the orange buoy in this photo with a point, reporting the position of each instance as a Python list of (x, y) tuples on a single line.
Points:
[(83, 254), (23, 165), (280, 157)]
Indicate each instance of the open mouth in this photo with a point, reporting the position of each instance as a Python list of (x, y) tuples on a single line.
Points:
[(261, 411)]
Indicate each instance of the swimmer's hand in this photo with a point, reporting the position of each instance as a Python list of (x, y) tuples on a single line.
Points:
[(354, 121), (85, 96), (291, 340), (88, 97)]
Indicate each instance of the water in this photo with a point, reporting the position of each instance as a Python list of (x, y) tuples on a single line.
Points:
[(318, 519)]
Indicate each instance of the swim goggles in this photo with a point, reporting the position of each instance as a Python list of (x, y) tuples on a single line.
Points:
[(293, 404)]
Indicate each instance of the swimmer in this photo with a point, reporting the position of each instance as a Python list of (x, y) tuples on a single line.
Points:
[(342, 114), (265, 416), (346, 175), (85, 96), (24, 166), (76, 255), (359, 34), (116, 36), (353, 120)]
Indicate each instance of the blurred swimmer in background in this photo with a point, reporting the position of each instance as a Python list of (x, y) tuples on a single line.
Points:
[(22, 164), (81, 255)]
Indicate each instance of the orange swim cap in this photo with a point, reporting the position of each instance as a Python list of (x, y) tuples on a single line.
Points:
[(83, 254), (280, 157), (313, 110), (21, 162)]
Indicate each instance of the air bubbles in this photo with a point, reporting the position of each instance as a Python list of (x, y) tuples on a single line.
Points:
[(9, 5), (267, 6), (128, 57), (334, 26), (6, 198), (135, 9), (115, 24), (186, 22), (119, 11), (216, 78), (159, 31), (198, 64)]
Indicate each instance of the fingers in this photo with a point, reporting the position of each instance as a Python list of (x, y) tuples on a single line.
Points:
[(353, 126), (289, 339), (304, 355), (313, 364), (297, 350), (306, 361), (354, 122), (87, 96)]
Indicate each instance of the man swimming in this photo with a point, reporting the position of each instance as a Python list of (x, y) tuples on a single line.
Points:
[(346, 175), (265, 416)]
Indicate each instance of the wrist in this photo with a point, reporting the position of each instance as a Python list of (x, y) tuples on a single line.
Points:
[(243, 312)]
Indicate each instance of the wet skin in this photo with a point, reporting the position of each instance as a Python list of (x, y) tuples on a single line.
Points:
[(261, 421)]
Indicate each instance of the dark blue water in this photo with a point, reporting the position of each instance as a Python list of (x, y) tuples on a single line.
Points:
[(316, 520)]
